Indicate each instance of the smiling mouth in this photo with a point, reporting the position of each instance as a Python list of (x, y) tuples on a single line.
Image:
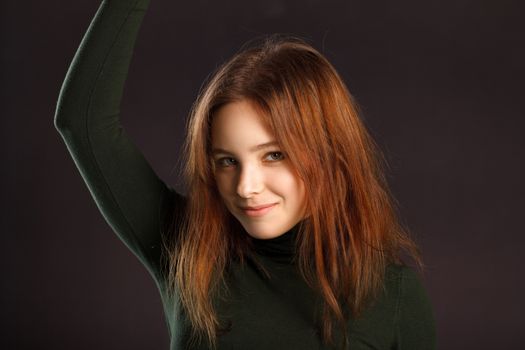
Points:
[(259, 212)]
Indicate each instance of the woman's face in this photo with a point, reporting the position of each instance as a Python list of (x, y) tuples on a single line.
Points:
[(251, 176)]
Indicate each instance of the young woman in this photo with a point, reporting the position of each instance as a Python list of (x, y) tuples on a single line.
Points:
[(287, 238)]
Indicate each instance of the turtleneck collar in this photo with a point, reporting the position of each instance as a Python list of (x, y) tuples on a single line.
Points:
[(281, 248)]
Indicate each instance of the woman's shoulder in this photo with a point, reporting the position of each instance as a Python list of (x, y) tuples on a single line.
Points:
[(394, 287), (398, 273), (381, 318), (402, 289), (414, 316), (404, 282)]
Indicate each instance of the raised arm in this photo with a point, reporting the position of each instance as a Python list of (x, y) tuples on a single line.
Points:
[(131, 197)]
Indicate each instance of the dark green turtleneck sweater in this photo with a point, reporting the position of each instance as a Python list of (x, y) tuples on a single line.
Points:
[(265, 313)]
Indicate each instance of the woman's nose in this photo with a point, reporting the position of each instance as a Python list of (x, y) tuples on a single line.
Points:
[(250, 181)]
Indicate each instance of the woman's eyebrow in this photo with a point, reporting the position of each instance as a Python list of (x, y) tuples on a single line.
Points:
[(253, 149)]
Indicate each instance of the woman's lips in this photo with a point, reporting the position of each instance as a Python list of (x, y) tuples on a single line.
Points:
[(259, 212)]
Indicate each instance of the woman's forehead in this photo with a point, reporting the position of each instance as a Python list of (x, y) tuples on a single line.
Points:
[(239, 122)]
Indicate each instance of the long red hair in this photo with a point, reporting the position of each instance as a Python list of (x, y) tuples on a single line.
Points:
[(353, 231)]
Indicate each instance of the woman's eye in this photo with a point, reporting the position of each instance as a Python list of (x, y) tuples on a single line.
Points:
[(223, 160), (274, 153)]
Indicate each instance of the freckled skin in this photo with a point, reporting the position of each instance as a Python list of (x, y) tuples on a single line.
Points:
[(246, 178)]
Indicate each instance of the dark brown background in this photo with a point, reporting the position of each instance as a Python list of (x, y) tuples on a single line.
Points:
[(441, 87)]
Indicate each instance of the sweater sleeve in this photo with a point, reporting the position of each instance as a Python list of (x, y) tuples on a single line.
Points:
[(128, 193), (415, 318)]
